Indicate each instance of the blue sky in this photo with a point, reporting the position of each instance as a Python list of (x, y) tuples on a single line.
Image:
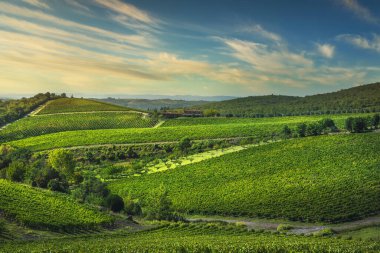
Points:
[(217, 47)]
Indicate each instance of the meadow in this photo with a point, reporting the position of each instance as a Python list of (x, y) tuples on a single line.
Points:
[(45, 209), (326, 178), (195, 238)]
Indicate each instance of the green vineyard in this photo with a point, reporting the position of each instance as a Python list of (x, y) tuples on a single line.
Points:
[(45, 124), (67, 105), (39, 208), (195, 238), (327, 178)]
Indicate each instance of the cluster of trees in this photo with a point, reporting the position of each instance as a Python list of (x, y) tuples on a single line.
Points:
[(361, 124), (327, 125), (11, 110), (323, 126), (359, 99)]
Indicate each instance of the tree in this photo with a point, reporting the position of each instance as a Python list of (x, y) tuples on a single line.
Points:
[(349, 124), (131, 206), (58, 185), (16, 171), (63, 161), (158, 205), (184, 144), (115, 203), (286, 131), (375, 120), (359, 125), (314, 129), (328, 123), (301, 129)]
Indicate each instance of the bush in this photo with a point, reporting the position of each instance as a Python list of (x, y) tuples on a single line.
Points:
[(284, 227), (115, 203), (324, 232), (2, 225), (58, 185), (16, 171), (132, 207)]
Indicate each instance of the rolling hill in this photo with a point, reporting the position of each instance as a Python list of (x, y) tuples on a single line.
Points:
[(328, 178), (39, 208), (365, 98)]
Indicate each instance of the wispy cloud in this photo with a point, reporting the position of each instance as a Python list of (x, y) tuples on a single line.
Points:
[(258, 29), (362, 42), (127, 10), (78, 6), (37, 3), (326, 50), (360, 11)]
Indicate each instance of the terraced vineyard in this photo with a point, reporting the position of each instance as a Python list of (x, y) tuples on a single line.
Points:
[(39, 125), (338, 119), (241, 128), (45, 209), (66, 105), (327, 178), (143, 135), (195, 238)]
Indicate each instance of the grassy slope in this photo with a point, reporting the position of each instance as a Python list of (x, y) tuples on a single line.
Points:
[(257, 128), (65, 105), (45, 209), (194, 238), (44, 124), (331, 178), (366, 96)]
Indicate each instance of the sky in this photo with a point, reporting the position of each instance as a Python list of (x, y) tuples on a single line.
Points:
[(181, 47)]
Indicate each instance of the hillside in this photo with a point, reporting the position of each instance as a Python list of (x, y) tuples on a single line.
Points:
[(328, 178), (66, 105), (196, 129), (357, 99), (46, 209), (151, 104)]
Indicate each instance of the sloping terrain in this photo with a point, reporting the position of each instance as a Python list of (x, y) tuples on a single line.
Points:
[(360, 98), (46, 209), (327, 178), (66, 105)]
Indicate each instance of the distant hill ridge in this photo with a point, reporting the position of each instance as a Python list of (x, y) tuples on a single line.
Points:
[(364, 98)]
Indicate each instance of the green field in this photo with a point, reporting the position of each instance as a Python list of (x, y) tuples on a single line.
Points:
[(45, 124), (326, 178), (66, 105), (165, 134), (195, 238), (39, 208)]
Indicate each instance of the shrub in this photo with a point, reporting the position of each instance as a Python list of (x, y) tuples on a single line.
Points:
[(16, 171), (284, 227), (324, 232), (115, 203), (2, 225)]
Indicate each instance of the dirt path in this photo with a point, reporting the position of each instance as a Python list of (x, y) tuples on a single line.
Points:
[(159, 124), (299, 227)]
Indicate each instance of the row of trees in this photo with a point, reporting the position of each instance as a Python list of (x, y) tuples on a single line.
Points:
[(327, 125)]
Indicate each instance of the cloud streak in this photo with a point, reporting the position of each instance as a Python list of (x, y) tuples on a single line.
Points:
[(360, 11), (362, 42), (37, 3)]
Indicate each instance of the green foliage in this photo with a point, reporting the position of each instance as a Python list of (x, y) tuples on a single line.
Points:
[(91, 190), (132, 207), (62, 160), (45, 124), (16, 171), (195, 129), (2, 225), (157, 205), (45, 209), (284, 227), (324, 232), (365, 98), (65, 105), (375, 120), (194, 238), (286, 131), (301, 129), (358, 124), (12, 110), (325, 178), (210, 113), (115, 203), (184, 144)]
